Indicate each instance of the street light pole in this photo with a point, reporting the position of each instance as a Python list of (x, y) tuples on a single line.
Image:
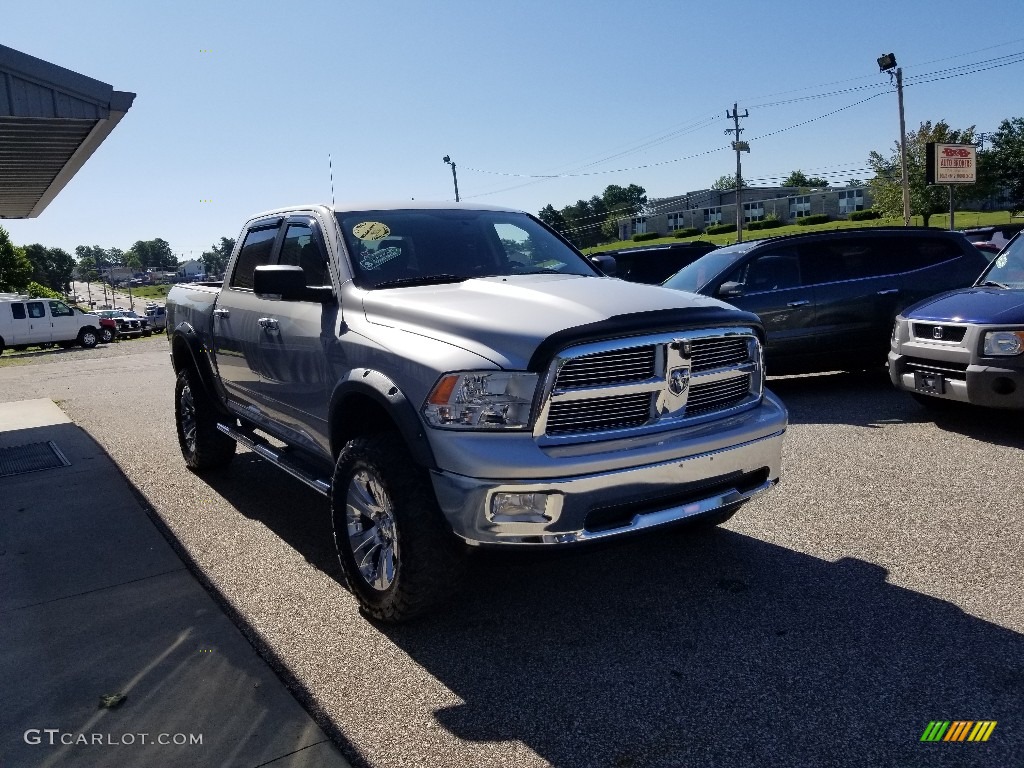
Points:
[(887, 62), (455, 178)]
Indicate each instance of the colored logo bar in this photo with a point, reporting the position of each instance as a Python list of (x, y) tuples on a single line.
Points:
[(958, 730)]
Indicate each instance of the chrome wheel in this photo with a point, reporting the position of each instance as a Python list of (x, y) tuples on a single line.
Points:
[(372, 536), (187, 418)]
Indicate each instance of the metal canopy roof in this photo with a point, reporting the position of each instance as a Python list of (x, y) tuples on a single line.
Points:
[(51, 121)]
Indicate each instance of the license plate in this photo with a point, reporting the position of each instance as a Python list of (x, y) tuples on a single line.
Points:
[(932, 383)]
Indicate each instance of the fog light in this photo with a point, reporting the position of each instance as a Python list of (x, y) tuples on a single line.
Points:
[(1003, 386), (520, 507)]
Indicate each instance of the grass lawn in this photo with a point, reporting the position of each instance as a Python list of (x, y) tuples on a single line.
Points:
[(150, 291), (961, 219)]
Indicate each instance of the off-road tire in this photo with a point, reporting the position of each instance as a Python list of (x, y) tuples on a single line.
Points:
[(203, 446), (88, 338), (429, 559), (107, 335)]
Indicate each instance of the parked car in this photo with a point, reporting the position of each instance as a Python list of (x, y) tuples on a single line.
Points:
[(988, 248), (997, 234), (157, 317), (147, 330), (828, 299), (126, 326), (652, 264), (26, 322), (966, 345), (107, 326)]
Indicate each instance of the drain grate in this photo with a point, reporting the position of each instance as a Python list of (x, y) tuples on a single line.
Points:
[(21, 459)]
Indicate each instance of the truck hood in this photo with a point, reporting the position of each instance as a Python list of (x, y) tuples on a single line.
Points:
[(505, 319), (994, 306)]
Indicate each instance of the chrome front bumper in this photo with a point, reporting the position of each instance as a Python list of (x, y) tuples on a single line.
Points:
[(606, 504)]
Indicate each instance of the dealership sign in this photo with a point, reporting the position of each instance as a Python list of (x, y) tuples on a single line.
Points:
[(951, 163)]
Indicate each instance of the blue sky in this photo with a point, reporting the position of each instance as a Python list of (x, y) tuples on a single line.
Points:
[(526, 89)]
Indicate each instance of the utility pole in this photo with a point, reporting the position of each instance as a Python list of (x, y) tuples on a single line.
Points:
[(455, 178), (739, 146)]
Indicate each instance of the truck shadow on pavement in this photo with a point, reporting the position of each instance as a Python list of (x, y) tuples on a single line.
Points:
[(296, 513), (700, 648)]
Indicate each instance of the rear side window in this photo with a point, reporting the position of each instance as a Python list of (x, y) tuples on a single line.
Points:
[(854, 258), (255, 253), (920, 252), (35, 309), (18, 311)]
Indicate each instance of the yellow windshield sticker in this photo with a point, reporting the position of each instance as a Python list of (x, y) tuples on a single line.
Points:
[(371, 230)]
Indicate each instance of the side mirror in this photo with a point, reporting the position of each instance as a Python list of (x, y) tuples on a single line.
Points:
[(605, 263), (730, 290), (289, 283)]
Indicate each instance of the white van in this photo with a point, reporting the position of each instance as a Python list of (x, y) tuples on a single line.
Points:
[(26, 322)]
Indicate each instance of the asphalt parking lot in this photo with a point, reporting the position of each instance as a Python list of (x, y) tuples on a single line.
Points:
[(878, 588)]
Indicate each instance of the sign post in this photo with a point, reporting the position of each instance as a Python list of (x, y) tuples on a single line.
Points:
[(951, 164)]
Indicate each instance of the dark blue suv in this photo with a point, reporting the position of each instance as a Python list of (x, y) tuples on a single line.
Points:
[(966, 345)]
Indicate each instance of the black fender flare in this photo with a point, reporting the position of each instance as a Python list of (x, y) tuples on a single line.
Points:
[(383, 391), (185, 343)]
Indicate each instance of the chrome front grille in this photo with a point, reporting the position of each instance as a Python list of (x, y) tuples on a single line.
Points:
[(718, 353), (616, 366), (718, 394), (599, 413), (653, 383)]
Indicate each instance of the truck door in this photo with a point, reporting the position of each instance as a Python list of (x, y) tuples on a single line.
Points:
[(296, 341), (236, 331), (39, 324), (64, 325)]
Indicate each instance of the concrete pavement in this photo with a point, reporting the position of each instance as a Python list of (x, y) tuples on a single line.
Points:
[(95, 603)]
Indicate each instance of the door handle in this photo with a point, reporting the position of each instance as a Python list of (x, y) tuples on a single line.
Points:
[(268, 323), (222, 313), (889, 292), (801, 303)]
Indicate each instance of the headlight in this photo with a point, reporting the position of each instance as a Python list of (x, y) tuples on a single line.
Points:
[(1004, 342), (481, 400)]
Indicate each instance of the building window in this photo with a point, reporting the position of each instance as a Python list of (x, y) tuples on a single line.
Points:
[(676, 221), (712, 216), (639, 225), (851, 200), (753, 212), (799, 207)]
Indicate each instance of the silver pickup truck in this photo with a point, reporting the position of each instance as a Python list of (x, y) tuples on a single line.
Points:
[(460, 374)]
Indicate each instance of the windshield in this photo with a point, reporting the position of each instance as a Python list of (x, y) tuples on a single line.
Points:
[(695, 276), (1007, 269), (427, 246)]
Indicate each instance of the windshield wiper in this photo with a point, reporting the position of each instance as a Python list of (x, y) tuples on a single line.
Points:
[(994, 284), (423, 280)]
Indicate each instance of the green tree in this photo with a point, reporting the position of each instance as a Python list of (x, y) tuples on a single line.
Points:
[(15, 268), (552, 218), (728, 181), (1005, 161), (215, 260), (62, 269), (621, 202), (799, 179), (925, 201)]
